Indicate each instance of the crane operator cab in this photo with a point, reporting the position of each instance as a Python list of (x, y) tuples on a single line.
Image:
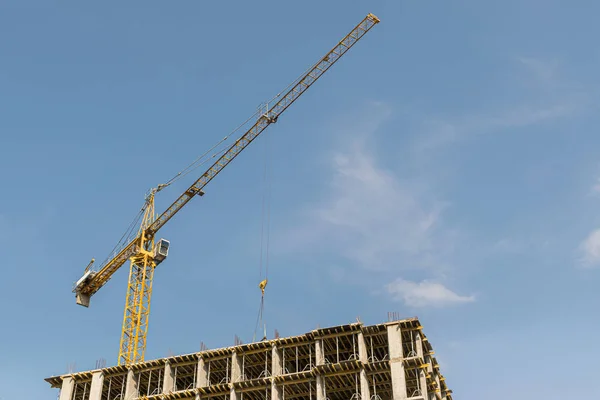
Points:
[(161, 250)]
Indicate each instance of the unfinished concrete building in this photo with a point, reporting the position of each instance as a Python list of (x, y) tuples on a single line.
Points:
[(392, 360)]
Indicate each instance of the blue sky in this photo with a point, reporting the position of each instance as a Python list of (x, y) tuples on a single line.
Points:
[(447, 167)]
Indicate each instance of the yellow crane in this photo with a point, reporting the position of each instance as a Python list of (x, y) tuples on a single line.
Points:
[(145, 254)]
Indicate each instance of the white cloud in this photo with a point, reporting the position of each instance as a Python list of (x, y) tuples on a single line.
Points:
[(590, 249), (425, 294)]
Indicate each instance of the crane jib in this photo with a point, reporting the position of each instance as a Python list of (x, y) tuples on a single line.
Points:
[(263, 121), (92, 282)]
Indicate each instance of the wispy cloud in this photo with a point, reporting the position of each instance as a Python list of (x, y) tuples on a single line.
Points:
[(371, 215), (425, 294), (590, 249), (548, 100), (4, 229), (544, 70), (442, 132), (372, 218), (595, 189), (368, 214)]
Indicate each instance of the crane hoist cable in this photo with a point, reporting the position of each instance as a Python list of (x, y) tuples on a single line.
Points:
[(265, 215), (265, 210), (259, 318)]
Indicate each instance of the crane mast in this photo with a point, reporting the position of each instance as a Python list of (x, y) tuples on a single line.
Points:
[(145, 254)]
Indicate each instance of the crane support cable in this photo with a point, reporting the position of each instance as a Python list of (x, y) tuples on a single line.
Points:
[(127, 235), (130, 233), (196, 163), (266, 119), (91, 284)]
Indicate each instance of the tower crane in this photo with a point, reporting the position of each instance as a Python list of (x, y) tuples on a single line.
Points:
[(145, 253)]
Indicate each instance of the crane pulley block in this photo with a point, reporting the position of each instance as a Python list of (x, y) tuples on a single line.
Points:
[(196, 192)]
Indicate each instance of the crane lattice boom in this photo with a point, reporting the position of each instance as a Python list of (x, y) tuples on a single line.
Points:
[(142, 250)]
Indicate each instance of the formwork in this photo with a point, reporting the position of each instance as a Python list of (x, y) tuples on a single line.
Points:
[(391, 360)]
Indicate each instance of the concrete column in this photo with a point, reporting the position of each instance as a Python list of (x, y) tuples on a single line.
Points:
[(394, 341), (277, 369), (321, 392), (236, 368), (233, 395), (419, 345), (201, 373), (131, 387), (276, 361), (66, 390), (319, 352), (396, 362), (398, 380), (365, 391), (362, 348), (423, 383), (429, 362), (97, 382), (276, 392), (168, 379)]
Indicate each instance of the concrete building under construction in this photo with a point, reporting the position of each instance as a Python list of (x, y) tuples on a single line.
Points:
[(392, 360)]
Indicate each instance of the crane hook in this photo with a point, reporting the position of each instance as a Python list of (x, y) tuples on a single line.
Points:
[(262, 285)]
